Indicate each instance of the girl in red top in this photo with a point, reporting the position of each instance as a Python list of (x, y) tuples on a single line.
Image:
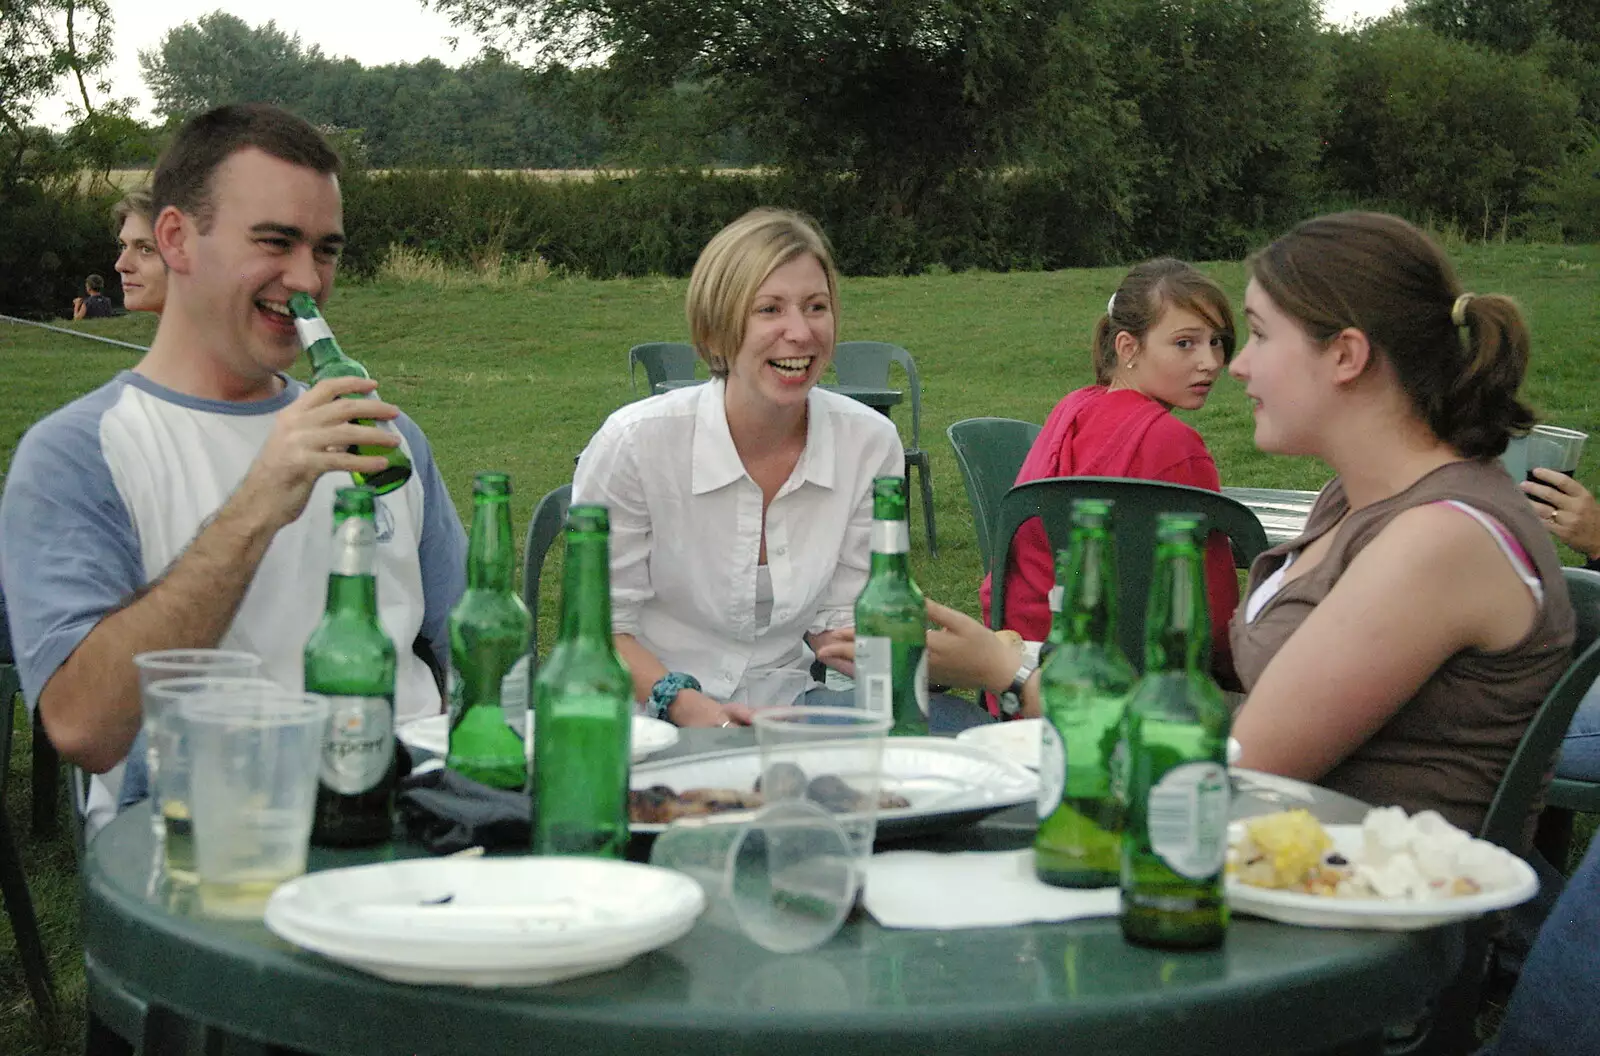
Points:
[(1166, 335)]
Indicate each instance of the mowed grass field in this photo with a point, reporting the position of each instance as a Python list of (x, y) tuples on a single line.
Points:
[(518, 378)]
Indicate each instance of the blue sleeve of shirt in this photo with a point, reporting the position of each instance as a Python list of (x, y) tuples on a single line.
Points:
[(68, 550), (442, 551)]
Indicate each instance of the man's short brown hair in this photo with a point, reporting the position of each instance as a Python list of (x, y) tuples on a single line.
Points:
[(184, 174)]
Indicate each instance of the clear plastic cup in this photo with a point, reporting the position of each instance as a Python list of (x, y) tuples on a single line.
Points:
[(169, 777), (255, 751), (779, 687), (832, 757), (786, 878)]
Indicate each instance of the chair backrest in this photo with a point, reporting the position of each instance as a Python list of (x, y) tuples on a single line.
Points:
[(663, 361), (1137, 502), (990, 452), (867, 363), (544, 528), (1506, 822)]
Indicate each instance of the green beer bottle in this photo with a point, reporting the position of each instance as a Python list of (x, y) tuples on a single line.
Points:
[(892, 620), (583, 708), (1084, 686), (489, 629), (351, 661), (1176, 833), (329, 361)]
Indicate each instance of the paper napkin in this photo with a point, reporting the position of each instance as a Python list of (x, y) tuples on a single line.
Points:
[(973, 889)]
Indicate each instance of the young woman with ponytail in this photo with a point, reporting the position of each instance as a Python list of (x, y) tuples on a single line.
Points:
[(1398, 648), (1167, 335)]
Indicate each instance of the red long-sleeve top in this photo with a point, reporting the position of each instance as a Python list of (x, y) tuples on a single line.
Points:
[(1097, 432)]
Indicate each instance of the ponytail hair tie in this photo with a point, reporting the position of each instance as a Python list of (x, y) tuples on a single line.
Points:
[(1458, 311), (1111, 305)]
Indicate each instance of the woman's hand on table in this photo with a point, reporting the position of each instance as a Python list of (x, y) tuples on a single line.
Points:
[(694, 708), (1572, 515), (836, 649)]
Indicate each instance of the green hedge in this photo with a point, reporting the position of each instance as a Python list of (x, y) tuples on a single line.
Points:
[(656, 222), (50, 243)]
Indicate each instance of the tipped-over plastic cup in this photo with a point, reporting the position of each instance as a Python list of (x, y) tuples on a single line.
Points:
[(785, 878)]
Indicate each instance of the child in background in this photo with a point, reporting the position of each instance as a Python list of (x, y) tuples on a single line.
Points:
[(1167, 334), (94, 304)]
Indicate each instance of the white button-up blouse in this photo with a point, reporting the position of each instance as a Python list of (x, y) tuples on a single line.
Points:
[(686, 529)]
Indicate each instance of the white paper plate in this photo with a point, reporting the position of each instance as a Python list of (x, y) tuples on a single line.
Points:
[(948, 783), (1018, 741), (1313, 911), (508, 921), (432, 735)]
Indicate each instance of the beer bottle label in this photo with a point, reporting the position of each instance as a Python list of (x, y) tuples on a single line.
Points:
[(920, 685), (875, 675), (1052, 768), (1187, 818), (891, 537), (310, 331), (360, 744)]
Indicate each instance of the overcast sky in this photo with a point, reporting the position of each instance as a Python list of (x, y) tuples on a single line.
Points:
[(373, 32)]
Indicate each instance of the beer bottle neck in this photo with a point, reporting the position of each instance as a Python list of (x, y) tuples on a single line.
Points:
[(325, 352), (491, 551), (1177, 625), (586, 589), (352, 584), (1090, 607)]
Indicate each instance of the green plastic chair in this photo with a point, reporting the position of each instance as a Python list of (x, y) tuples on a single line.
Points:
[(13, 882), (1567, 795), (1137, 502), (544, 528), (1452, 1027), (990, 453), (866, 363), (663, 361)]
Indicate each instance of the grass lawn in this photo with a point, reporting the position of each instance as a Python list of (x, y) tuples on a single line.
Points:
[(518, 378)]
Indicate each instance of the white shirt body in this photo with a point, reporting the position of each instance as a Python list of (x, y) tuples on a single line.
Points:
[(686, 530)]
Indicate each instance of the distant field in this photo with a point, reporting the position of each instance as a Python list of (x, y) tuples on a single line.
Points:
[(128, 179), (518, 379)]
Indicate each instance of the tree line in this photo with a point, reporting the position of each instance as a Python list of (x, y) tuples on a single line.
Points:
[(1117, 127)]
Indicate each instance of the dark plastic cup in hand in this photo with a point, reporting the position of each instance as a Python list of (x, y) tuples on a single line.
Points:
[(1555, 448)]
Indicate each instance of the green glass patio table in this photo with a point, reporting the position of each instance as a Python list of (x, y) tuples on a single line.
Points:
[(162, 973)]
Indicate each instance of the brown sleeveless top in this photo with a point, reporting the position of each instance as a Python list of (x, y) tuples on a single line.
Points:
[(1448, 746)]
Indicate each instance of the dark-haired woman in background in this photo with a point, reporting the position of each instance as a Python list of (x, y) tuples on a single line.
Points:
[(1397, 649), (1166, 336)]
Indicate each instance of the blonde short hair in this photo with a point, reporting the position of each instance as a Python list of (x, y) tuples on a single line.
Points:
[(137, 203), (732, 267)]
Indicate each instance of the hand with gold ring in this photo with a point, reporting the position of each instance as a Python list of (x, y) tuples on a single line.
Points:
[(1567, 509)]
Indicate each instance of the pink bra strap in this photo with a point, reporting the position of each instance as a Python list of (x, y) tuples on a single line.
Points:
[(1514, 551)]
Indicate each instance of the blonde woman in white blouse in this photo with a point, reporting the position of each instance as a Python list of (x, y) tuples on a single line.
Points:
[(740, 509)]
